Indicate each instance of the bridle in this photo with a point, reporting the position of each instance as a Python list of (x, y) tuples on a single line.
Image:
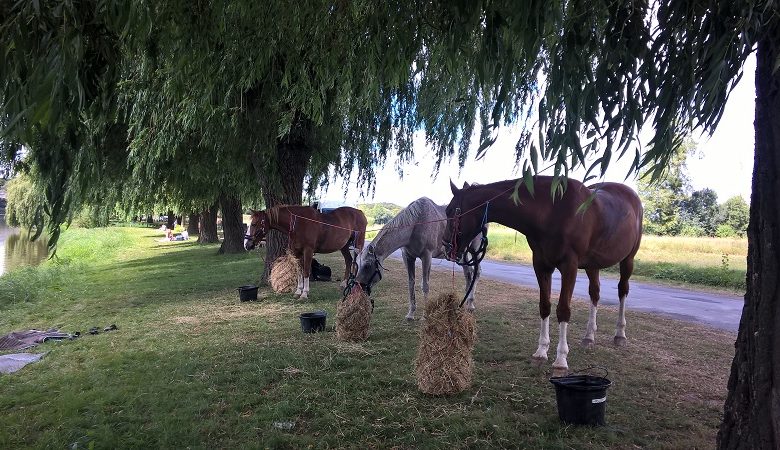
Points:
[(377, 272), (366, 287), (260, 231), (471, 258)]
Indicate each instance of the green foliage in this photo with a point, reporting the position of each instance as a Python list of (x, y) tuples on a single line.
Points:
[(725, 231), (700, 212), (735, 213), (664, 196), (25, 202), (380, 213), (92, 216)]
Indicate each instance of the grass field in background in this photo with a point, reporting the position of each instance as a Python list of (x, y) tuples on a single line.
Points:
[(191, 366), (714, 262)]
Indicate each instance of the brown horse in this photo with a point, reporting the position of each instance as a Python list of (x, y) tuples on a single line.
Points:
[(589, 228), (312, 232)]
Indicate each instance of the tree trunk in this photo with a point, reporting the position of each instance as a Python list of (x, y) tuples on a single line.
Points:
[(752, 411), (178, 220), (192, 224), (171, 220), (281, 179), (208, 226), (232, 224), (150, 218)]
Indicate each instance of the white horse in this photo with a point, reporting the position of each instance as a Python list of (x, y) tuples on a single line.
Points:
[(418, 230)]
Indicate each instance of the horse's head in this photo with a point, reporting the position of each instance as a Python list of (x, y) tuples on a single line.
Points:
[(369, 268), (465, 220), (258, 228)]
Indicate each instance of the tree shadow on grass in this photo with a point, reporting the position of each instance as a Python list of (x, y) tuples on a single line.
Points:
[(184, 269)]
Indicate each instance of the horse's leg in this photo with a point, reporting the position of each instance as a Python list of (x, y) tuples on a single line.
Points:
[(306, 261), (568, 278), (468, 273), (347, 254), (626, 269), (544, 278), (409, 261), (594, 288), (299, 289), (426, 274)]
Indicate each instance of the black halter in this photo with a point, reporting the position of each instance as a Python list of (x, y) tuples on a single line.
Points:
[(471, 258), (253, 237), (366, 287)]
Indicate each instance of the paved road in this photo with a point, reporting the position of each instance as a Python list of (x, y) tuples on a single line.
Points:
[(717, 310)]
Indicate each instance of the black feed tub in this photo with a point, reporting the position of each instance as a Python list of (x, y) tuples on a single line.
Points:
[(582, 399), (246, 293), (312, 322)]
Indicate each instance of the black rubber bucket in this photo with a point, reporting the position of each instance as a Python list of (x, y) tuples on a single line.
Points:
[(582, 399), (246, 293), (312, 322)]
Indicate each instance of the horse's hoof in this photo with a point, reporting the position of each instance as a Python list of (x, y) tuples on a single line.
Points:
[(538, 361), (560, 371), (620, 341), (588, 343)]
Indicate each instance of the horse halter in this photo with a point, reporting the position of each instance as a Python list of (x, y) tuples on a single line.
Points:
[(253, 237), (474, 256), (451, 246), (377, 272)]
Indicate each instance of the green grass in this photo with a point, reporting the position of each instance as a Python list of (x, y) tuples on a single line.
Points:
[(713, 262), (190, 366)]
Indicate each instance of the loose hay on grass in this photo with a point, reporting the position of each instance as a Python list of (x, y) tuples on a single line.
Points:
[(284, 274), (353, 316), (444, 363)]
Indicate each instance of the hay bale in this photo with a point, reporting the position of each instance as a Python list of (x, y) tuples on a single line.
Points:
[(444, 362), (284, 274), (353, 316)]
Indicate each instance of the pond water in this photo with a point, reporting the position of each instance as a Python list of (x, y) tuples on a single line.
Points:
[(16, 250)]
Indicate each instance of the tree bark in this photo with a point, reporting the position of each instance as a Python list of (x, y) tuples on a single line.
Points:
[(171, 220), (281, 180), (232, 224), (192, 224), (752, 410), (208, 226)]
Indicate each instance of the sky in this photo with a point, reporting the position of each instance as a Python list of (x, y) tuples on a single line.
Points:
[(723, 162)]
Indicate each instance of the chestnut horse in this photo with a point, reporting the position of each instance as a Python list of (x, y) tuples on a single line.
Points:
[(312, 232), (589, 228)]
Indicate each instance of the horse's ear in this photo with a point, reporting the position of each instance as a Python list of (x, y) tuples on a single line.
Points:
[(453, 188), (466, 185)]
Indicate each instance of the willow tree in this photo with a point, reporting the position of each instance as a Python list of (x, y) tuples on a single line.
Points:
[(288, 90)]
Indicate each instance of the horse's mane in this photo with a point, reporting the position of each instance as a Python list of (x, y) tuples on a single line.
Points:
[(273, 212)]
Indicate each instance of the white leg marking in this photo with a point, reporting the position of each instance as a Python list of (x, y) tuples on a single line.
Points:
[(305, 293), (620, 330), (544, 339), (299, 290), (590, 333), (563, 348)]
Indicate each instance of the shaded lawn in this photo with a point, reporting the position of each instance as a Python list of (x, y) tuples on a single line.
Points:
[(191, 366)]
